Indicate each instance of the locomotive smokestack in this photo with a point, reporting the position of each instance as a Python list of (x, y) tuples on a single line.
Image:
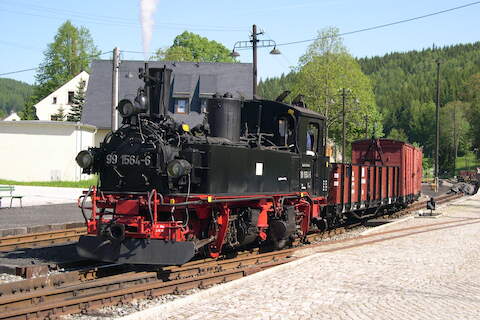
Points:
[(158, 91)]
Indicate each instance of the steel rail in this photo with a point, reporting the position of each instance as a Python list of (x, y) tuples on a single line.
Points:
[(119, 281), (84, 303), (41, 239)]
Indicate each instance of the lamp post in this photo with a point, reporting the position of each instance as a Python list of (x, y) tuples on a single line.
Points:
[(254, 43)]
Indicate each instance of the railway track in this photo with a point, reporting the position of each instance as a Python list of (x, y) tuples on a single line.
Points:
[(42, 239), (75, 296), (87, 289)]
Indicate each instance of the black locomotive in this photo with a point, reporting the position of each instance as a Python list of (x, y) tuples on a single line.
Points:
[(253, 173)]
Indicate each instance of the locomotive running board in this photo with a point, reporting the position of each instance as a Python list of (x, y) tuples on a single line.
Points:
[(136, 251)]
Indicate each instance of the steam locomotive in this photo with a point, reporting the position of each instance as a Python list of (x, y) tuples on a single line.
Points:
[(253, 173)]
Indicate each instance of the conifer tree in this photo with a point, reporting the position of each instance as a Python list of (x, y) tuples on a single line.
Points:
[(60, 115), (75, 113), (29, 112)]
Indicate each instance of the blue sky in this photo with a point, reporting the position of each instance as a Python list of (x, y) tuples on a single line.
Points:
[(28, 26)]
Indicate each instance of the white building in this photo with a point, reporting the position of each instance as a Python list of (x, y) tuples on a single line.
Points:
[(12, 117), (43, 150), (60, 98)]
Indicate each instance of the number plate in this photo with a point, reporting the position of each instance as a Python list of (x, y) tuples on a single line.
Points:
[(128, 159)]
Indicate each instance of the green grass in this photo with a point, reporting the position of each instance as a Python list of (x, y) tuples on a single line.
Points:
[(468, 162), (63, 184)]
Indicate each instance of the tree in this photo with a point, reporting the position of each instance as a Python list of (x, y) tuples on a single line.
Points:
[(323, 71), (454, 134), (420, 127), (328, 43), (398, 134), (189, 46), (472, 94), (70, 53), (175, 54), (60, 115), (29, 112), (271, 88), (13, 95), (75, 113)]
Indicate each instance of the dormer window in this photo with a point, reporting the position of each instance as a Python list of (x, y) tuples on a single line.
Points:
[(181, 105)]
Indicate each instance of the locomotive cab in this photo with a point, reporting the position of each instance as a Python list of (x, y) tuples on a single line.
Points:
[(294, 129)]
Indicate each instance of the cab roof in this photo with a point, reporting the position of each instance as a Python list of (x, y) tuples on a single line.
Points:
[(298, 110)]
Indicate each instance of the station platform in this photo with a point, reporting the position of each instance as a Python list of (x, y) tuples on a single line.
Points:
[(39, 196), (42, 207), (418, 268)]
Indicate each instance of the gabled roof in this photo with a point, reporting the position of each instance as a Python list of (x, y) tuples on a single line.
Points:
[(74, 79), (13, 116), (208, 78)]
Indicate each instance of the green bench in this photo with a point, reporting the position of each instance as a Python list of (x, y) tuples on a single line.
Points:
[(7, 192)]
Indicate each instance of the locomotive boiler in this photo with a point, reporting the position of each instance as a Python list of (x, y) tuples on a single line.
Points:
[(254, 173)]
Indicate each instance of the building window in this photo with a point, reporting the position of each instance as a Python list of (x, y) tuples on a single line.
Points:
[(181, 105), (54, 100), (203, 105), (70, 97)]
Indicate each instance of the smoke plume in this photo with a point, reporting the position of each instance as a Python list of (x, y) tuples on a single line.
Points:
[(147, 9)]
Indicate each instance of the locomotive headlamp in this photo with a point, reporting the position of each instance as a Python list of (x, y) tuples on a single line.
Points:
[(125, 107), (178, 168), (84, 159), (128, 108)]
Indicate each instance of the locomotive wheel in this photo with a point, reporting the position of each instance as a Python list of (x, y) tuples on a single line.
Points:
[(321, 224)]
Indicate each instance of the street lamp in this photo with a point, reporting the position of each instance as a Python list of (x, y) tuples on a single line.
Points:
[(255, 43)]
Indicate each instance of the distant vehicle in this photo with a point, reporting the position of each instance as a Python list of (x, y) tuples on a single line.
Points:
[(468, 175)]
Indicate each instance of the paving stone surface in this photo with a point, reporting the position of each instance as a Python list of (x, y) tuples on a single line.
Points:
[(429, 275), (39, 216)]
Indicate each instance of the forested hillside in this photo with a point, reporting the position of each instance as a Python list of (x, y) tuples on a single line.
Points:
[(404, 85), (13, 95)]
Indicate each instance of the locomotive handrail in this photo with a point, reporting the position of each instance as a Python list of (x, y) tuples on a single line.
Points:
[(82, 206)]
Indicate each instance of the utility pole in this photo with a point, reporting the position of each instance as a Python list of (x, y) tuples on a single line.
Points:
[(437, 122), (366, 126), (455, 149), (115, 67), (343, 124), (254, 46)]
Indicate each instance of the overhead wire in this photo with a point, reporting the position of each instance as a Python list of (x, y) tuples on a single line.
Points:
[(32, 69), (49, 13), (18, 71), (382, 25), (319, 38)]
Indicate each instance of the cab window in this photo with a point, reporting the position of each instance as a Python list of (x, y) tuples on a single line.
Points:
[(284, 130), (312, 137)]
